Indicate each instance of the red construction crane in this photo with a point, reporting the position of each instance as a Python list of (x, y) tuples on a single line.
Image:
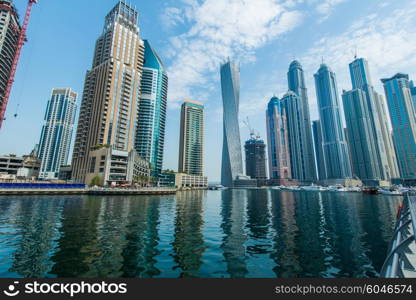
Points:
[(21, 41)]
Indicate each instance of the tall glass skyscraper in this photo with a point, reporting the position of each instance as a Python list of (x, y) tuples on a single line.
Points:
[(232, 161), (360, 136), (150, 136), (292, 106), (403, 119), (278, 140), (320, 158), (361, 79), (337, 164), (109, 108), (191, 144), (56, 136), (303, 168), (413, 92)]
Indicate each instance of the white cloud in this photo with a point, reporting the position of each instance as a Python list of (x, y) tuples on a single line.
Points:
[(387, 42), (221, 29)]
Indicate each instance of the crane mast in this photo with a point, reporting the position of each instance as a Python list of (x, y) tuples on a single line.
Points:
[(20, 43)]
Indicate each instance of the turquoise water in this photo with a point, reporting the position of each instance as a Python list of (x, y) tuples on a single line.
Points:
[(232, 233)]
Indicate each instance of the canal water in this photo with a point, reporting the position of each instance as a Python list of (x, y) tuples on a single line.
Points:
[(231, 233)]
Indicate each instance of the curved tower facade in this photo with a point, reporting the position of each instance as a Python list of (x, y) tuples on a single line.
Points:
[(150, 136), (232, 161)]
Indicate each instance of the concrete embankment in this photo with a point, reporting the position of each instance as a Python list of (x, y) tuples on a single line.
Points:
[(145, 191)]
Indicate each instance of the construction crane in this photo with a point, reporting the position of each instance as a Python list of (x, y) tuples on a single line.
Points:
[(251, 129), (20, 43)]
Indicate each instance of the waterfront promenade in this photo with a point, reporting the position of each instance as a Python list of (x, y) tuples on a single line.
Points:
[(87, 191)]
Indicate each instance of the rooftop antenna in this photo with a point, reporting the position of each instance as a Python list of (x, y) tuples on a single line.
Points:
[(356, 52)]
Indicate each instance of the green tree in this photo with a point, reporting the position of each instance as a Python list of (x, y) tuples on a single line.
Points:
[(96, 181)]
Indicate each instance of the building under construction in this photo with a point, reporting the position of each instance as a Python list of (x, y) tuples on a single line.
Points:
[(255, 150)]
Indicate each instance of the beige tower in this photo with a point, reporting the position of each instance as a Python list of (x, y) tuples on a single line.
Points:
[(191, 144), (108, 114)]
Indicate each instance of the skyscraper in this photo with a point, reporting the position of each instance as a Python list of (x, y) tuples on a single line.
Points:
[(385, 124), (278, 141), (191, 144), (360, 136), (56, 136), (232, 161), (403, 119), (150, 136), (108, 114), (413, 92), (320, 158), (255, 150), (304, 167), (295, 124), (335, 150), (361, 79), (9, 36)]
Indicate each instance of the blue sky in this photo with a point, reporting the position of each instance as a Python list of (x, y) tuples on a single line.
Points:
[(193, 37)]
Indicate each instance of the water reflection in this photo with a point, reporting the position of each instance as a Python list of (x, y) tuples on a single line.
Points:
[(188, 242), (232, 233)]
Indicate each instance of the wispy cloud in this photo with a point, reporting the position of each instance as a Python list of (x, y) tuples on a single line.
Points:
[(387, 42), (220, 29)]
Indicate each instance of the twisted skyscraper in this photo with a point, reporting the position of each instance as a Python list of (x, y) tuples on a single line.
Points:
[(232, 161)]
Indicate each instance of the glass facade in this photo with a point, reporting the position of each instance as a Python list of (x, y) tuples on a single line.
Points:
[(56, 136), (403, 120), (320, 158), (303, 167), (191, 144), (278, 140), (360, 136), (337, 161), (232, 161), (360, 78), (150, 136)]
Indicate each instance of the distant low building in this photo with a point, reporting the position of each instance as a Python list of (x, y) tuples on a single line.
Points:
[(65, 173), (115, 167), (167, 179), (243, 181), (183, 180), (20, 167)]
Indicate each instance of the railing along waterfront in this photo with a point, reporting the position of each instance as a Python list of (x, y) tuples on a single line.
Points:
[(401, 259)]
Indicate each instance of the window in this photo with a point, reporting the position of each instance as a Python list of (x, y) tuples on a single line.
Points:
[(92, 164)]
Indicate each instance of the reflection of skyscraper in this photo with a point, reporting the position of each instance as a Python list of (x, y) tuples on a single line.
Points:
[(403, 119), (150, 136), (337, 164), (188, 244), (233, 222), (56, 136), (108, 114), (278, 140), (232, 161), (320, 158), (191, 144), (305, 168)]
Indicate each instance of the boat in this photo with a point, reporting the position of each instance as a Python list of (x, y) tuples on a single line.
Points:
[(276, 188), (312, 188), (391, 192), (370, 190), (337, 188)]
